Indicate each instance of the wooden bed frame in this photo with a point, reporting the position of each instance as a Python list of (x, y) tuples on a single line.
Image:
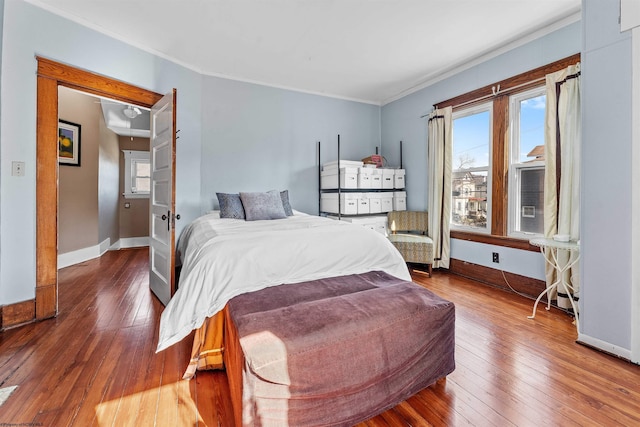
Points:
[(233, 362)]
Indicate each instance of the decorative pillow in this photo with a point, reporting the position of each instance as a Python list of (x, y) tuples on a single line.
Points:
[(284, 195), (262, 205), (230, 206)]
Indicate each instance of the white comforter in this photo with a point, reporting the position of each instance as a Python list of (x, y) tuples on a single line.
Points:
[(223, 258)]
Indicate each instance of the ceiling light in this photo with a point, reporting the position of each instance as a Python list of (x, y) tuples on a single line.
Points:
[(132, 112)]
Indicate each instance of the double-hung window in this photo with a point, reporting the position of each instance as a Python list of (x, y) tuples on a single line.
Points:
[(526, 171), (137, 174), (498, 166), (471, 168)]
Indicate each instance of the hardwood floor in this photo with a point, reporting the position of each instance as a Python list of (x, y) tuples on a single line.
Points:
[(95, 364)]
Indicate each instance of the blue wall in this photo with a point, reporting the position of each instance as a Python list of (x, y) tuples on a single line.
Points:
[(233, 136), (239, 136), (606, 208), (258, 138), (401, 121), (29, 31)]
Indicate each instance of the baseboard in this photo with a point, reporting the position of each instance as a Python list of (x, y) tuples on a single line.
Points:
[(104, 246), (498, 278), (604, 346), (531, 287), (130, 242), (17, 314), (84, 254)]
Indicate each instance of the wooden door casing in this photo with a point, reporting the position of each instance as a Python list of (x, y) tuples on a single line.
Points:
[(50, 75)]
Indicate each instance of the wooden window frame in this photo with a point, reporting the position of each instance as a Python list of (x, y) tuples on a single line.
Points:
[(499, 93)]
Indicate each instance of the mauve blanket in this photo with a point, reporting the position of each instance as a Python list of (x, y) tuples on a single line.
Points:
[(337, 351)]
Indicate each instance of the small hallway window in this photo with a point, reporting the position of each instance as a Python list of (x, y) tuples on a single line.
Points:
[(137, 174)]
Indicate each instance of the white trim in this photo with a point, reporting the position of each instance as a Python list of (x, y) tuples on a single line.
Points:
[(116, 36), (443, 74), (629, 14), (134, 133), (635, 196), (604, 346), (84, 254), (104, 246), (131, 157), (136, 195), (430, 79), (130, 242)]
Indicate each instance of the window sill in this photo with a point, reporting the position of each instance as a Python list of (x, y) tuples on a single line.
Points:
[(136, 195), (507, 242)]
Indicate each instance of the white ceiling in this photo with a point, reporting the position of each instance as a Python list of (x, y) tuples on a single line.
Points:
[(118, 122), (366, 50)]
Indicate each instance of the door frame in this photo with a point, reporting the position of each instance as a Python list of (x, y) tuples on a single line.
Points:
[(50, 75)]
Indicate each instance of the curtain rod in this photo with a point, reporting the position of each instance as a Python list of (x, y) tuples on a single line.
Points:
[(495, 91)]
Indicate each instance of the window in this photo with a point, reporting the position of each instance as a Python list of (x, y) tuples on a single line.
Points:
[(497, 184), (471, 178), (137, 174), (526, 180)]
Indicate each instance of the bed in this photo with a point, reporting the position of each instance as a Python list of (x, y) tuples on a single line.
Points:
[(319, 285)]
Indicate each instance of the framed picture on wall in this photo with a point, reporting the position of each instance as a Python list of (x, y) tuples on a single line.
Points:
[(68, 143)]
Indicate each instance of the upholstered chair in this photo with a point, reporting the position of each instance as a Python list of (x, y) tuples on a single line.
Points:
[(408, 233)]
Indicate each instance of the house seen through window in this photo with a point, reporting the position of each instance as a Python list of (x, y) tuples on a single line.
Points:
[(526, 180), (472, 164), (471, 168), (498, 158)]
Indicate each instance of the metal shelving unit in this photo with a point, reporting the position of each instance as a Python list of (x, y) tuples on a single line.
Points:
[(341, 190)]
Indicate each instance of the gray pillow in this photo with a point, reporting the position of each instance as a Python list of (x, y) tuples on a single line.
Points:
[(284, 195), (262, 205), (230, 206)]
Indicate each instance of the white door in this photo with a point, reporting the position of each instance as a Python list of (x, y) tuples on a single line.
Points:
[(162, 198)]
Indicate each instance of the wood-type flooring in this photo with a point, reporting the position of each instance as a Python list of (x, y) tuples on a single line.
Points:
[(95, 363)]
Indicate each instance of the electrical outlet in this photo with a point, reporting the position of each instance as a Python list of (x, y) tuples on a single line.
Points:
[(496, 257)]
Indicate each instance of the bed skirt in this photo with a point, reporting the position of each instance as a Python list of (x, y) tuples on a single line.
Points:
[(208, 346)]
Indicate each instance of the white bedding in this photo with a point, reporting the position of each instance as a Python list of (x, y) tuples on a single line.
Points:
[(223, 258)]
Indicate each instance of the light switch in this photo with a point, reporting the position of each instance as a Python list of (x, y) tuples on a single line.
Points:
[(17, 168)]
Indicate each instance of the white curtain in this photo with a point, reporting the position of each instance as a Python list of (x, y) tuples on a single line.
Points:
[(440, 151), (562, 169)]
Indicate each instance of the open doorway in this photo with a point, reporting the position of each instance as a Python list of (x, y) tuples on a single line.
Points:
[(51, 75), (102, 205)]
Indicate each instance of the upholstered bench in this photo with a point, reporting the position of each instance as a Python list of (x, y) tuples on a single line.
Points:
[(409, 235), (335, 351)]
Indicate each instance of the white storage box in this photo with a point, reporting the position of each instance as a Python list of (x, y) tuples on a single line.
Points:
[(364, 178), (348, 203), (398, 178), (387, 178), (343, 164), (375, 203), (363, 204), (386, 202), (399, 200), (348, 178), (376, 223), (376, 179)]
